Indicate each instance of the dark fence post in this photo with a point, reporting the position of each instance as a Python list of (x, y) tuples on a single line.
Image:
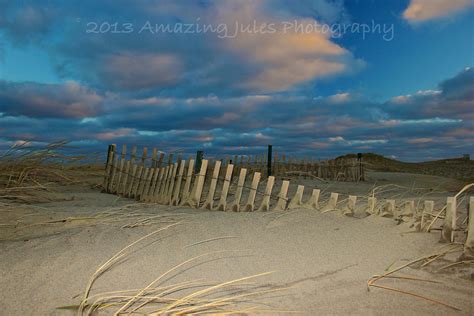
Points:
[(199, 157), (109, 155), (269, 161)]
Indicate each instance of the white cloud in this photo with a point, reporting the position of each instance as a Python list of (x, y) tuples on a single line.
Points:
[(336, 139), (148, 133), (339, 98), (89, 120), (424, 10), (403, 99), (367, 142), (284, 57), (356, 142), (435, 120)]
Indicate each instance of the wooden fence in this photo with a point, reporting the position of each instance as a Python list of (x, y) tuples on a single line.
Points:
[(344, 169), (175, 182)]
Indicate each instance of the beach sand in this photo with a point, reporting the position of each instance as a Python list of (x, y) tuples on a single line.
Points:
[(324, 260)]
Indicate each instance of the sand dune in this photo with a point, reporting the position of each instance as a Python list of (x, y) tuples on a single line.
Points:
[(324, 260)]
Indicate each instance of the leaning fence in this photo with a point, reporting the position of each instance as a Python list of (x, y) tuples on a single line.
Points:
[(179, 182)]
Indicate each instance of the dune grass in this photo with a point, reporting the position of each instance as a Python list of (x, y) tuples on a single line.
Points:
[(29, 174), (237, 296)]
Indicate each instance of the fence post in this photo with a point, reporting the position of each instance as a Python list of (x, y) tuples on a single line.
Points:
[(198, 162), (269, 161), (108, 166)]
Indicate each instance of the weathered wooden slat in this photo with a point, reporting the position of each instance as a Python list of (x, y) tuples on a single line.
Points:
[(164, 183), (108, 166), (120, 170), (179, 180), (408, 209), (371, 206), (250, 206), (115, 164), (158, 186), (282, 197), (297, 200), (332, 202), (133, 179), (140, 174), (209, 203), (313, 201), (150, 193), (388, 209), (138, 182), (225, 188), (123, 185), (194, 198), (142, 183), (187, 183), (146, 187), (169, 193), (265, 205), (449, 225), (235, 206), (349, 209), (428, 207)]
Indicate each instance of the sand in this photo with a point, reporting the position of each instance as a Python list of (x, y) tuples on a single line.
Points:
[(324, 259)]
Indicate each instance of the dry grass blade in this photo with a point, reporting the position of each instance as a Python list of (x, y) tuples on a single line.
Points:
[(465, 188), (373, 279), (210, 289), (456, 263), (206, 300), (169, 290), (139, 294), (209, 240), (174, 299), (111, 261), (193, 309), (412, 278), (416, 295), (29, 173)]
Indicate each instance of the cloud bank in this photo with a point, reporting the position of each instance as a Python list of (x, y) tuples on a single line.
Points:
[(229, 95), (442, 120)]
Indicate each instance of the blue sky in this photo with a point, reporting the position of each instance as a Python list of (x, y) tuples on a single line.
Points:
[(397, 82)]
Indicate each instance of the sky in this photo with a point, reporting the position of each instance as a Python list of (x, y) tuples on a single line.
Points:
[(317, 78)]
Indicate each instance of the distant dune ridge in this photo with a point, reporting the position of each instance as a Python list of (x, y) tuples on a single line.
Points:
[(456, 168)]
